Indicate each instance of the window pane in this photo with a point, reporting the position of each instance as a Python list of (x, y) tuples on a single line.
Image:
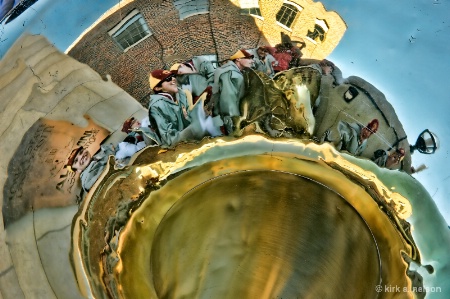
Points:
[(286, 15), (318, 34), (251, 11), (134, 30), (187, 8)]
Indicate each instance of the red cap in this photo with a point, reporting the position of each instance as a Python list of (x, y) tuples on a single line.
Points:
[(157, 76), (72, 156), (127, 125)]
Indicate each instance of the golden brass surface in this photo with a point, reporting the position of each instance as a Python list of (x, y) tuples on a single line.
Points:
[(264, 212), (282, 106), (263, 234), (245, 218)]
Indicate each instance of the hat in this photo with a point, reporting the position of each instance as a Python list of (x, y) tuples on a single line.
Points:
[(127, 125), (72, 156), (175, 67), (241, 54), (157, 76)]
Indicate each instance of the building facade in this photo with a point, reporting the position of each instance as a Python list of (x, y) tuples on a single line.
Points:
[(303, 21), (139, 36)]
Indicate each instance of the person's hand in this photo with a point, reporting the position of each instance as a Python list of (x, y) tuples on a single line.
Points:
[(206, 97), (208, 110)]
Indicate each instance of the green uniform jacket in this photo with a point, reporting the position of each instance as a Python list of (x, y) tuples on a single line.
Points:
[(349, 138), (265, 66), (90, 175), (170, 117), (204, 68), (381, 158), (197, 82), (229, 88), (200, 80)]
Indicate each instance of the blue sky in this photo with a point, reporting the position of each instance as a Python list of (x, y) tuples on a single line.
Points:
[(402, 47), (399, 46), (51, 18)]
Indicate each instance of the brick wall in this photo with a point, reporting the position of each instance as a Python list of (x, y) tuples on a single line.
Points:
[(172, 40), (222, 31)]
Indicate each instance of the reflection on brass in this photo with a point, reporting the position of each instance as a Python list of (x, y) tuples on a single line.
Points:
[(396, 207), (263, 234), (39, 166), (282, 106), (240, 218), (301, 86)]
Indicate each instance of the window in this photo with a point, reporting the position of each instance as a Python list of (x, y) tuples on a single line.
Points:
[(350, 94), (130, 31), (250, 7), (320, 30), (188, 8), (287, 13)]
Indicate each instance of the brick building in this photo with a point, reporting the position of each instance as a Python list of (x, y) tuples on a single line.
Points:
[(134, 38)]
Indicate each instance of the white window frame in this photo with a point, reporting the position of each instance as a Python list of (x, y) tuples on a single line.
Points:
[(296, 6), (323, 25), (122, 26), (181, 3), (247, 4)]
